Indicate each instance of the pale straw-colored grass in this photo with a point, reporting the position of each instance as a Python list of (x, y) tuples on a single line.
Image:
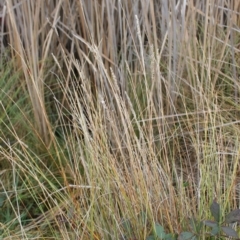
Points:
[(115, 114)]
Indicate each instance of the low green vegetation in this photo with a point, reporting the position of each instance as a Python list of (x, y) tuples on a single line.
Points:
[(119, 120), (218, 229)]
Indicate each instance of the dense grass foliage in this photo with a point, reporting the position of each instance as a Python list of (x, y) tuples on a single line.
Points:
[(117, 116)]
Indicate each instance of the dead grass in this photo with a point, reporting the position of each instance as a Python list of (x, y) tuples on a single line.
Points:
[(116, 115)]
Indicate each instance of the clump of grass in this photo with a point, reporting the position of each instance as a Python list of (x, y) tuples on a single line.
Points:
[(116, 116), (218, 228)]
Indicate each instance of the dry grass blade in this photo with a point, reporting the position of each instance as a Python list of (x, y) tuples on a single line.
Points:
[(137, 100)]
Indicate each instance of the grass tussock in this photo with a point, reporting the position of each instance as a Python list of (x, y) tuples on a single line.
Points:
[(116, 115)]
